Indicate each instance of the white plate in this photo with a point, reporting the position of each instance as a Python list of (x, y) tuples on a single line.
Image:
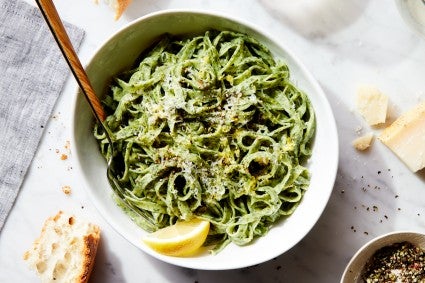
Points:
[(119, 53)]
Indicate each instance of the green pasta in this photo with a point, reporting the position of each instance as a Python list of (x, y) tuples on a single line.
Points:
[(211, 126)]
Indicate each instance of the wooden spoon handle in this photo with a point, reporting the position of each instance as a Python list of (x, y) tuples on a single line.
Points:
[(55, 24)]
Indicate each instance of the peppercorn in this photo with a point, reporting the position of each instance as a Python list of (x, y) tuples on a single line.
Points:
[(399, 262)]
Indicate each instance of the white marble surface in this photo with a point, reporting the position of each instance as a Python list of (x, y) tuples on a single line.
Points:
[(344, 44)]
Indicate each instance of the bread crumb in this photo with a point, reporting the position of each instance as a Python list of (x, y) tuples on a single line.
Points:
[(66, 190), (64, 155), (68, 145), (363, 142)]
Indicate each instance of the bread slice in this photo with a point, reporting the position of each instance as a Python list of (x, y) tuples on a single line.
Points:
[(65, 250), (119, 6)]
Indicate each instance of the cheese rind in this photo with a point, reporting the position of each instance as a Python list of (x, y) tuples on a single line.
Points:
[(406, 137), (372, 105), (363, 142)]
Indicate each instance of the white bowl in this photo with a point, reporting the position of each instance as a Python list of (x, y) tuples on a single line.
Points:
[(120, 52), (354, 269)]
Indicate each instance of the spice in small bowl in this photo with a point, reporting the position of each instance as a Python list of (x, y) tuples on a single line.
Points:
[(394, 257), (398, 262)]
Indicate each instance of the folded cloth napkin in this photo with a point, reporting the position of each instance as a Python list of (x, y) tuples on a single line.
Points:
[(32, 75)]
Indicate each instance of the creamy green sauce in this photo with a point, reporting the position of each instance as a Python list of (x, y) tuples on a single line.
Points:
[(211, 126)]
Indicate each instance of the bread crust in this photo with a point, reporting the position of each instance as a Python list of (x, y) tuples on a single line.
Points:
[(118, 5), (122, 6), (90, 249)]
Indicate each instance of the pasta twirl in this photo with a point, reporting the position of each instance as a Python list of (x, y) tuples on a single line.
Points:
[(211, 126)]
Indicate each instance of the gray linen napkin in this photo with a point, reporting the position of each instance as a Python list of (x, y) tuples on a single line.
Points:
[(32, 75)]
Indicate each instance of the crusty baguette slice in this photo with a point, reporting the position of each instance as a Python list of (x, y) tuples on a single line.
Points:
[(65, 251), (119, 6)]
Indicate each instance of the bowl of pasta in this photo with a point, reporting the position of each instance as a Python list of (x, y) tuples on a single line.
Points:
[(214, 120)]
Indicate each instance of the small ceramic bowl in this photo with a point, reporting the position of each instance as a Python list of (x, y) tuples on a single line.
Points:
[(354, 269)]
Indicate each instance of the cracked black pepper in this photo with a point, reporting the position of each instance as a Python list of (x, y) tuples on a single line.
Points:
[(400, 262)]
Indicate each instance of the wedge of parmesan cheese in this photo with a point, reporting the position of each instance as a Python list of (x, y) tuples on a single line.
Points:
[(406, 137), (363, 142), (372, 105)]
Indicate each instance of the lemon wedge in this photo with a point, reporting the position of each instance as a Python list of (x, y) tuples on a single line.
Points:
[(181, 239)]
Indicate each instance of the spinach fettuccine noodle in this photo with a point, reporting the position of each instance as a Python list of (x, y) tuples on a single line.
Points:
[(211, 126)]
